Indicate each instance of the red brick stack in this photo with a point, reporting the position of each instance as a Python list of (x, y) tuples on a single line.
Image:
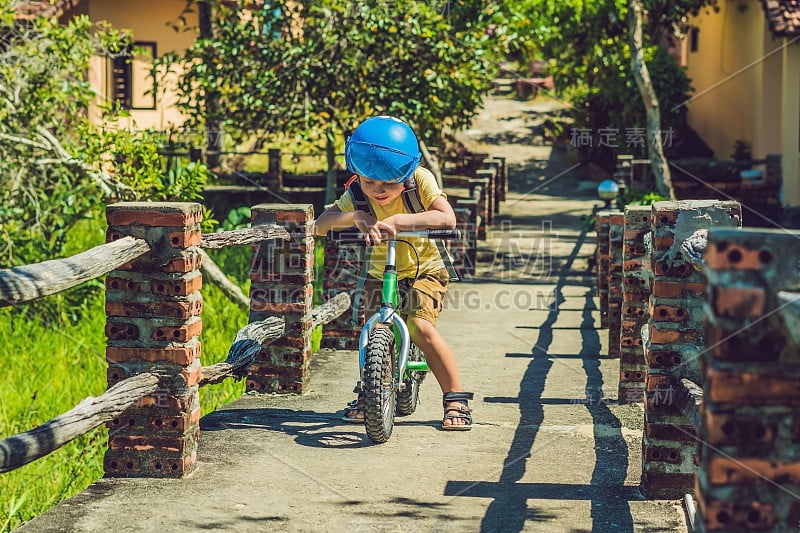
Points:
[(464, 250), (343, 263), (636, 285), (749, 462), (616, 222), (674, 333), (281, 276), (601, 226), (153, 309)]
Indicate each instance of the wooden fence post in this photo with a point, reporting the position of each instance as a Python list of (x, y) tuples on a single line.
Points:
[(478, 191), (489, 174), (281, 286), (153, 307), (464, 251)]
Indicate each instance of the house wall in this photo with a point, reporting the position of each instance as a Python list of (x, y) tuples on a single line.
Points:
[(747, 87), (722, 107), (148, 20), (790, 123)]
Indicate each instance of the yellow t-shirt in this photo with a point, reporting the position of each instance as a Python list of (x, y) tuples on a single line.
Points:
[(429, 259)]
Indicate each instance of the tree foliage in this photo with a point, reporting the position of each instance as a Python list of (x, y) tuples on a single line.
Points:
[(57, 165), (587, 45), (317, 68)]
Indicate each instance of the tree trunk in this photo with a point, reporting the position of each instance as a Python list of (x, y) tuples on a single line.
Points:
[(655, 148), (330, 154), (433, 165), (214, 141)]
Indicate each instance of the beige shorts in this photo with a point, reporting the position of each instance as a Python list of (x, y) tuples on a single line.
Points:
[(423, 299)]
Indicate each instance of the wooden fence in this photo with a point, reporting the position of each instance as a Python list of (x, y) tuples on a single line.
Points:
[(152, 264), (152, 261)]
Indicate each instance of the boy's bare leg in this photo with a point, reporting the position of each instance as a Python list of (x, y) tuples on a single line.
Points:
[(440, 359)]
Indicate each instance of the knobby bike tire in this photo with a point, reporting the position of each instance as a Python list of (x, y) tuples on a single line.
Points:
[(408, 397), (380, 384)]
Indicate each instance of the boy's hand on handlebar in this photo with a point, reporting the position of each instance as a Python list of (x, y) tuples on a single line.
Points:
[(374, 230)]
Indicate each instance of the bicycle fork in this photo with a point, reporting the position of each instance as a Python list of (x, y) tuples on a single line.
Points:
[(387, 316)]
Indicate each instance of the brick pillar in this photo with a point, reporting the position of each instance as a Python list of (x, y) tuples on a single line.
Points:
[(497, 183), (482, 205), (490, 175), (153, 321), (750, 427), (616, 222), (674, 337), (636, 284), (601, 225), (281, 276), (464, 250), (343, 265)]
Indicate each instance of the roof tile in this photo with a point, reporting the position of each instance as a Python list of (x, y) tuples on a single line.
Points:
[(783, 17), (44, 8)]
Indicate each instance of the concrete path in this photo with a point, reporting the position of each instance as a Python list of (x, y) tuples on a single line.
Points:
[(551, 451)]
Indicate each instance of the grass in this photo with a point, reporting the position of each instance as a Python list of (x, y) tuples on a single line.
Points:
[(48, 368)]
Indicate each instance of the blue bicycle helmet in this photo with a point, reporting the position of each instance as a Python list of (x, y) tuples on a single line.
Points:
[(383, 148)]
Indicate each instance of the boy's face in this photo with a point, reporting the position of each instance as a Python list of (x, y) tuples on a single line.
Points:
[(382, 192)]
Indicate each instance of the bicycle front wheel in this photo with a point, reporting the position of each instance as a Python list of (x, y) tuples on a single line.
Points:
[(380, 384)]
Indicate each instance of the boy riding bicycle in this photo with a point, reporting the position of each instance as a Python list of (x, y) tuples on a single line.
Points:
[(383, 152)]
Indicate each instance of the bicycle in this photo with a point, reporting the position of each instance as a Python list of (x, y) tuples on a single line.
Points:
[(391, 367)]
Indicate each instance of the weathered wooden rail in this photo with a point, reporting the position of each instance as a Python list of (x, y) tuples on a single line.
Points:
[(25, 283), (21, 449)]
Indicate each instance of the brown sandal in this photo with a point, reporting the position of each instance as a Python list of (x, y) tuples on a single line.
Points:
[(354, 407), (461, 412)]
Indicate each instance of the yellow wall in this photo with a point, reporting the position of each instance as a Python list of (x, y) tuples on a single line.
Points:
[(148, 20), (747, 87), (790, 124), (726, 76)]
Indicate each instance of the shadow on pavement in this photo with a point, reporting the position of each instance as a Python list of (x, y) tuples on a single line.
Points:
[(510, 509)]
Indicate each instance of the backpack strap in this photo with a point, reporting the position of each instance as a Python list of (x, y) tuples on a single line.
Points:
[(410, 196), (352, 179), (360, 203), (413, 204)]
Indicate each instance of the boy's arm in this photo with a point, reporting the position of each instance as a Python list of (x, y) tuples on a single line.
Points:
[(440, 215), (335, 219)]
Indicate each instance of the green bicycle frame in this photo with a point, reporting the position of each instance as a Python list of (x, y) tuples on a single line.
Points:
[(389, 317)]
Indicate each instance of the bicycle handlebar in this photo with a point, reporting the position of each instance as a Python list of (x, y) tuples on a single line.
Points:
[(353, 236)]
